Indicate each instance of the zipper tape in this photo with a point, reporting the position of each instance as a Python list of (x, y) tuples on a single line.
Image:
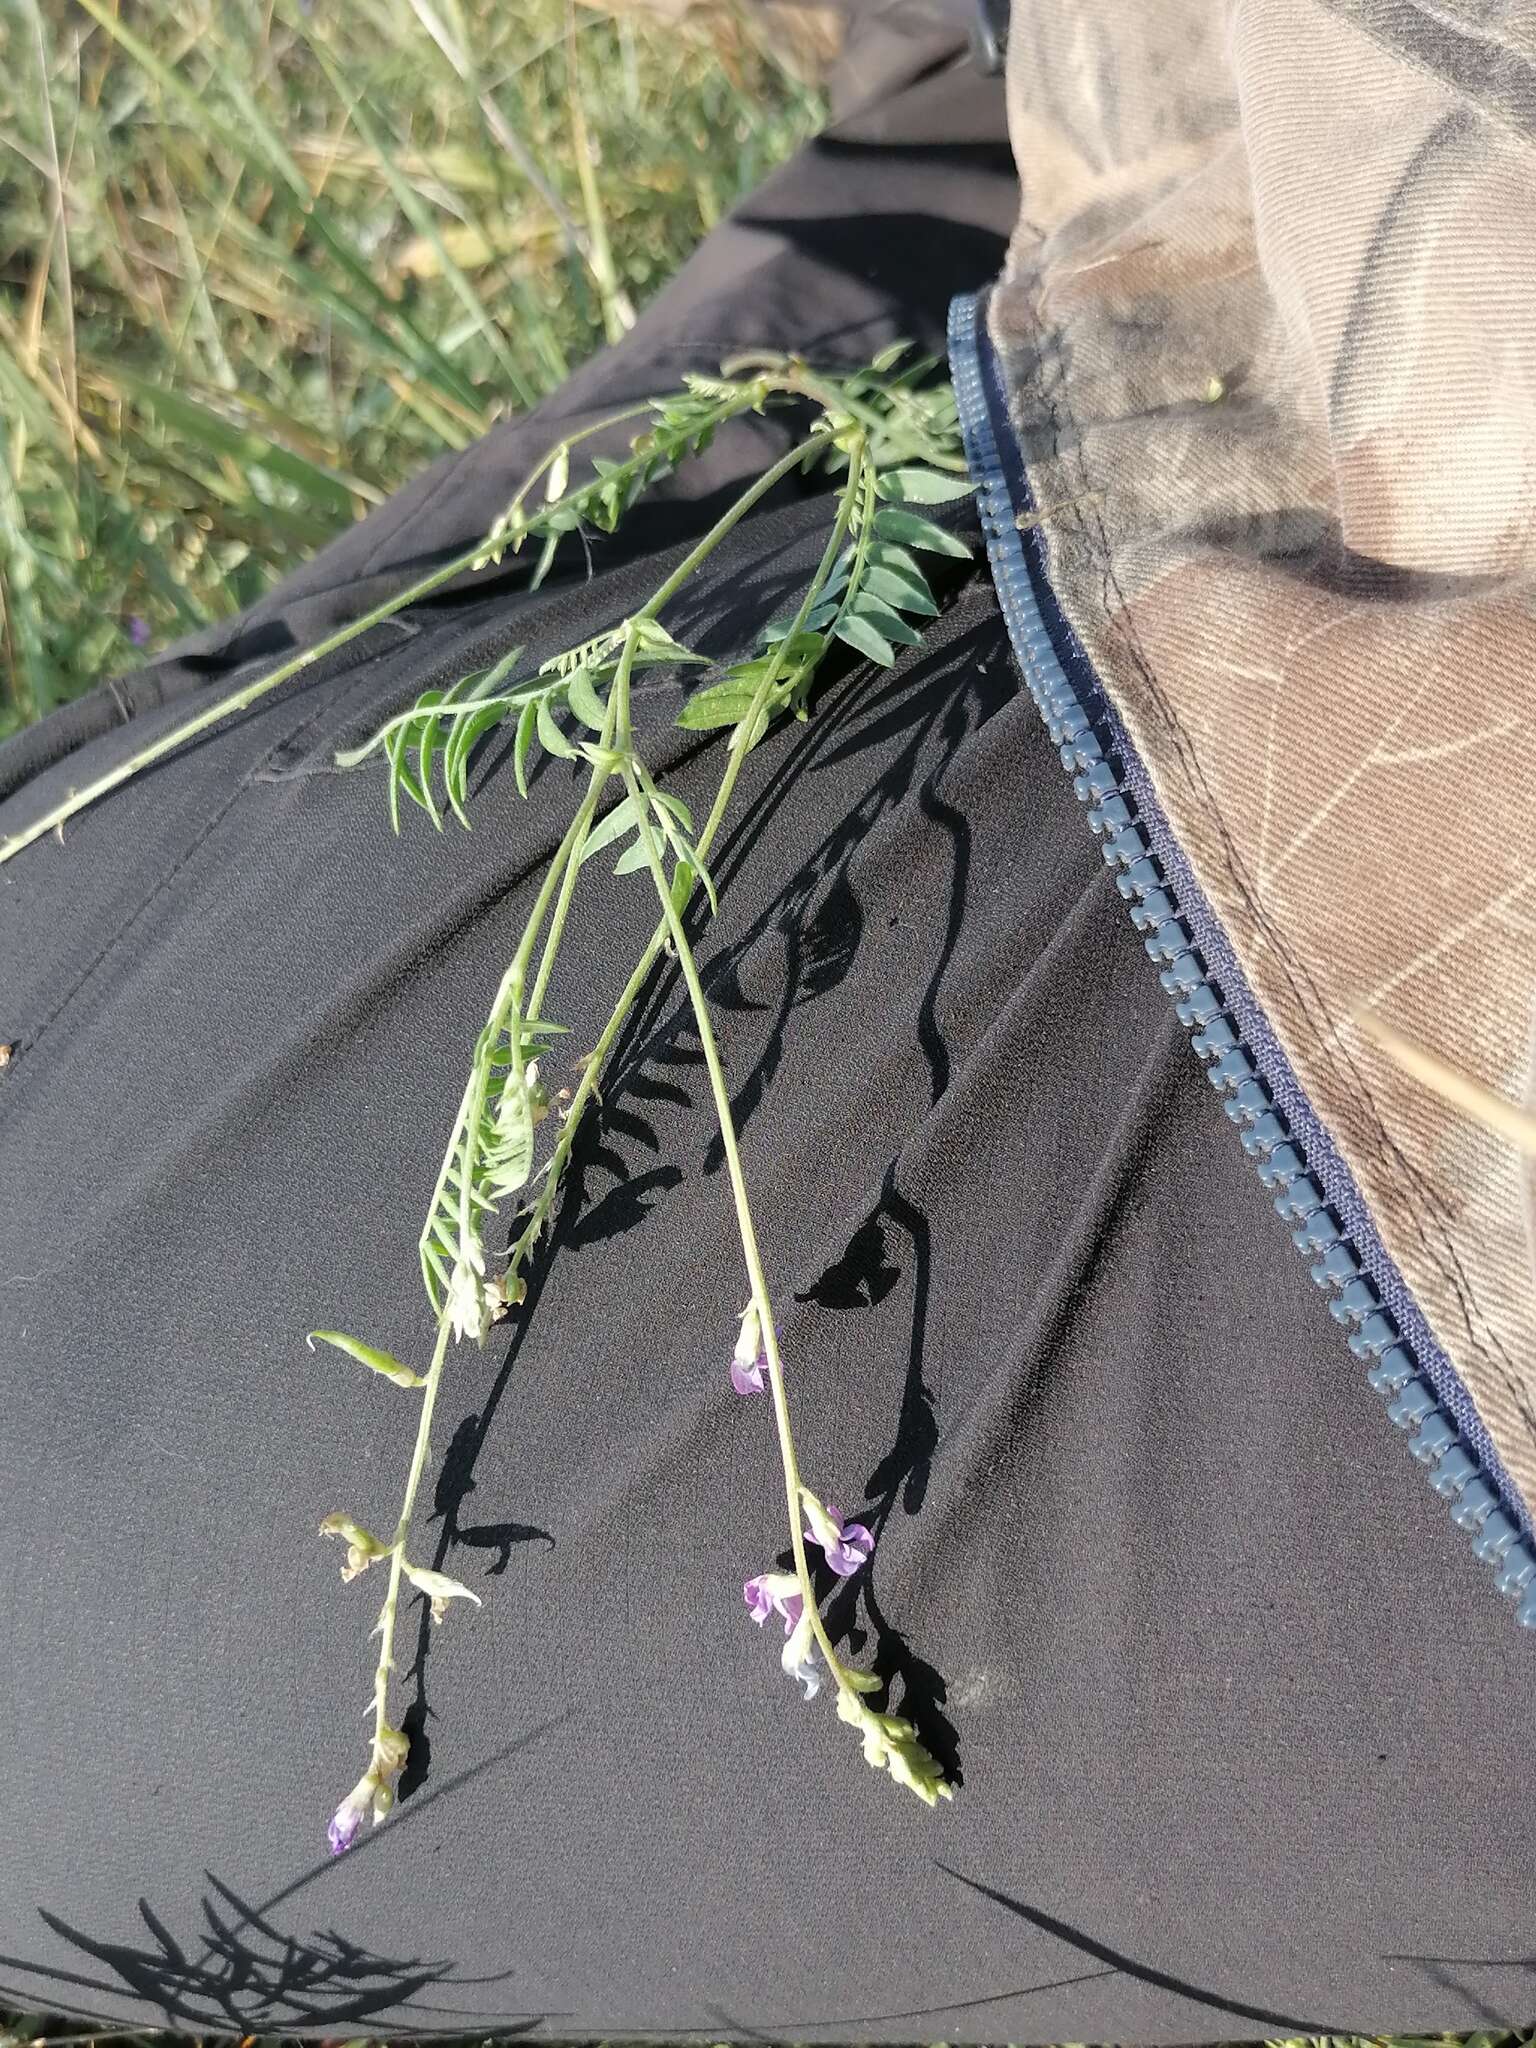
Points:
[(1295, 1156)]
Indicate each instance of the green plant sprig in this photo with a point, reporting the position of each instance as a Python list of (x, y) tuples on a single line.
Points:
[(683, 425), (892, 441), (919, 426), (776, 670), (865, 587)]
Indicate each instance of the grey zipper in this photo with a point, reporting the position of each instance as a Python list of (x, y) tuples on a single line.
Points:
[(1296, 1158)]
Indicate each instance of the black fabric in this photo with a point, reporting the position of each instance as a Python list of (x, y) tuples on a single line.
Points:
[(1241, 1724)]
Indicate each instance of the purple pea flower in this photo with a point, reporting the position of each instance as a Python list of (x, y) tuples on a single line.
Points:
[(347, 1821), (774, 1593), (779, 1593), (750, 1359), (138, 630), (799, 1659), (846, 1545), (373, 1795)]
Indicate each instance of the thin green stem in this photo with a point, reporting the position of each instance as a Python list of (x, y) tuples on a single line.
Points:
[(389, 1611), (722, 527), (564, 447), (790, 373), (577, 841), (747, 1229), (508, 997), (861, 483), (740, 747), (470, 558), (238, 700)]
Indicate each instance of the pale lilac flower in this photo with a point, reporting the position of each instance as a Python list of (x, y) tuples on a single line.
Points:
[(138, 630), (751, 1359), (774, 1593), (798, 1658), (846, 1545), (347, 1821)]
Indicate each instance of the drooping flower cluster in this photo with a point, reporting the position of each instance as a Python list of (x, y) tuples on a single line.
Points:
[(889, 1742), (845, 1545), (362, 1549)]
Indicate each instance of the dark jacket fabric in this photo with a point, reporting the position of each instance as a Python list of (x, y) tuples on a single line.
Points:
[(1239, 1733)]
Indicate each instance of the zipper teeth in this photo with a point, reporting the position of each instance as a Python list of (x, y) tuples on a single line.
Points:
[(1423, 1395)]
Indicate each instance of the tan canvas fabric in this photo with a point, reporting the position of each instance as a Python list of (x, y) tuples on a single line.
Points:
[(1269, 328)]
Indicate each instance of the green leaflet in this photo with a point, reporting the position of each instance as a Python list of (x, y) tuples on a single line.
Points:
[(633, 860), (894, 522), (683, 879), (377, 1361), (907, 593), (527, 720), (672, 815), (612, 825), (922, 486), (859, 633), (728, 701), (885, 621), (722, 703), (656, 644), (581, 694), (402, 775), (885, 554), (461, 744), (551, 738)]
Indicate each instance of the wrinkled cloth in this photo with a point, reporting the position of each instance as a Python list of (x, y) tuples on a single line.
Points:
[(1242, 1732), (1269, 327)]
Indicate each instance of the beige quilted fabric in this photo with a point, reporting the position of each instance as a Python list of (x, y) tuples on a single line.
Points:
[(1269, 329)]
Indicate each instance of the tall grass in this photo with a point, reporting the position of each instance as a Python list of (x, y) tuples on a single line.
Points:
[(262, 259)]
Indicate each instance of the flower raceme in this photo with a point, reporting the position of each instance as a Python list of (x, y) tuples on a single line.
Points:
[(889, 1742), (846, 1546)]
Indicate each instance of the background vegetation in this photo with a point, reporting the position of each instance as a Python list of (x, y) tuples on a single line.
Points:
[(262, 259)]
